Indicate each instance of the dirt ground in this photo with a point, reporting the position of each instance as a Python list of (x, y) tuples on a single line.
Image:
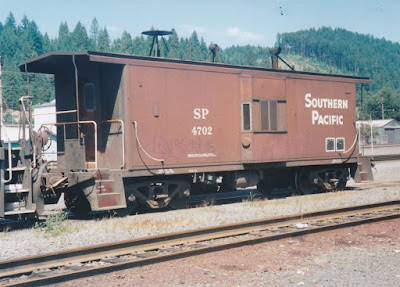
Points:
[(366, 255)]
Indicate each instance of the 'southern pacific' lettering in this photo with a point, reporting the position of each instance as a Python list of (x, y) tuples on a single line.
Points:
[(317, 118)]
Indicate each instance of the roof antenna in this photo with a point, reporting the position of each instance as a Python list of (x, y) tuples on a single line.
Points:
[(154, 44), (275, 56)]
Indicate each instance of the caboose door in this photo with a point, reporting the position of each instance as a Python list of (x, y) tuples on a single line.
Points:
[(264, 118)]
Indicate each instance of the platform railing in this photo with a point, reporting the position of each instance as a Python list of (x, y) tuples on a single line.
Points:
[(64, 124)]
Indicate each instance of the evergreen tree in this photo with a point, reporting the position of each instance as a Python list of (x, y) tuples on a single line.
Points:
[(47, 44), (194, 52), (94, 33), (79, 37), (125, 45), (64, 38), (391, 105), (103, 41), (8, 42), (11, 23), (35, 38), (173, 44), (140, 46)]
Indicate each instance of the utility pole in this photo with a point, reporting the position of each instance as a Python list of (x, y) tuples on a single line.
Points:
[(383, 110)]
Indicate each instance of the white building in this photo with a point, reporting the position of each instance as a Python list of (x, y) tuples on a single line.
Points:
[(45, 115), (384, 131)]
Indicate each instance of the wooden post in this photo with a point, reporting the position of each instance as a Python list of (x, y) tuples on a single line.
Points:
[(1, 102), (2, 159)]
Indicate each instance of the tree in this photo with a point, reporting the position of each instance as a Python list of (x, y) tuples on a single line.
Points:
[(10, 22), (47, 44), (173, 44), (140, 46), (34, 38), (94, 33), (194, 52), (64, 38), (385, 97), (80, 40), (103, 41), (125, 45)]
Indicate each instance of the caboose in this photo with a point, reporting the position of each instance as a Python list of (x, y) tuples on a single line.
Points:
[(150, 131)]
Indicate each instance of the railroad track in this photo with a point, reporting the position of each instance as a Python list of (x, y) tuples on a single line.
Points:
[(385, 157), (83, 262)]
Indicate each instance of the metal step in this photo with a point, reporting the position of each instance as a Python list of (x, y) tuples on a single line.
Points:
[(364, 170), (15, 206), (21, 211), (14, 188), (21, 168)]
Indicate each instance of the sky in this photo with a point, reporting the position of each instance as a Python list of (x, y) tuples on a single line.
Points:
[(225, 22)]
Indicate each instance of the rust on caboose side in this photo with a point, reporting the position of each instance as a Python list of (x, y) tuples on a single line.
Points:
[(140, 117)]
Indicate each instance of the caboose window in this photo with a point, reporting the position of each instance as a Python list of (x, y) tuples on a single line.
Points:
[(246, 116), (330, 144), (272, 115), (339, 144), (89, 100)]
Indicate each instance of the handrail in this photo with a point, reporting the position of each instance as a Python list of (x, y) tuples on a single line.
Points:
[(80, 122), (56, 113), (135, 124), (30, 125), (9, 152), (10, 170), (123, 138)]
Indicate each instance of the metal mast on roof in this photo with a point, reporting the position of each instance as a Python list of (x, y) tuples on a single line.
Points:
[(154, 44)]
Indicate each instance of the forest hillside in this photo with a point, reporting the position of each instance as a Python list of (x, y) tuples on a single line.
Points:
[(324, 50)]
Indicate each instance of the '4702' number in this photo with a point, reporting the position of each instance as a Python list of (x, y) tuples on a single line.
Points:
[(205, 131)]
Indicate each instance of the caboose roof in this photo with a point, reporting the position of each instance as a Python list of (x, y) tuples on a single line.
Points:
[(51, 62)]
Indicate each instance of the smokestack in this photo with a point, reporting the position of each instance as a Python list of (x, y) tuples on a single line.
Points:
[(214, 48), (274, 57)]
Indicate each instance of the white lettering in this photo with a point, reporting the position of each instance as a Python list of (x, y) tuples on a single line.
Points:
[(324, 103), (197, 114), (308, 101), (330, 104), (205, 131), (314, 117), (319, 119), (204, 112)]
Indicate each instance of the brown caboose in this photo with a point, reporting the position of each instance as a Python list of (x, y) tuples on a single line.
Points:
[(151, 130)]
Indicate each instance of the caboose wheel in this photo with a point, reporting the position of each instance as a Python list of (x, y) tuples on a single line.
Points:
[(130, 209), (264, 187), (304, 183), (77, 202), (178, 202)]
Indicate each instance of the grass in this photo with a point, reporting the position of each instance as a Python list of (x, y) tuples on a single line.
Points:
[(57, 224)]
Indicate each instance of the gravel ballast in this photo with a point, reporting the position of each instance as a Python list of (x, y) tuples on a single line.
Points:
[(21, 243)]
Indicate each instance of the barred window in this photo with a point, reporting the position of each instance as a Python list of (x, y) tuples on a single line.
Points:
[(271, 115)]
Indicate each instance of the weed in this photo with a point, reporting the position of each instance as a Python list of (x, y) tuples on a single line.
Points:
[(57, 223), (251, 196), (5, 232), (207, 203)]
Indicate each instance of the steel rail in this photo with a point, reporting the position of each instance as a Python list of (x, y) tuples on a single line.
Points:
[(27, 265), (387, 157)]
